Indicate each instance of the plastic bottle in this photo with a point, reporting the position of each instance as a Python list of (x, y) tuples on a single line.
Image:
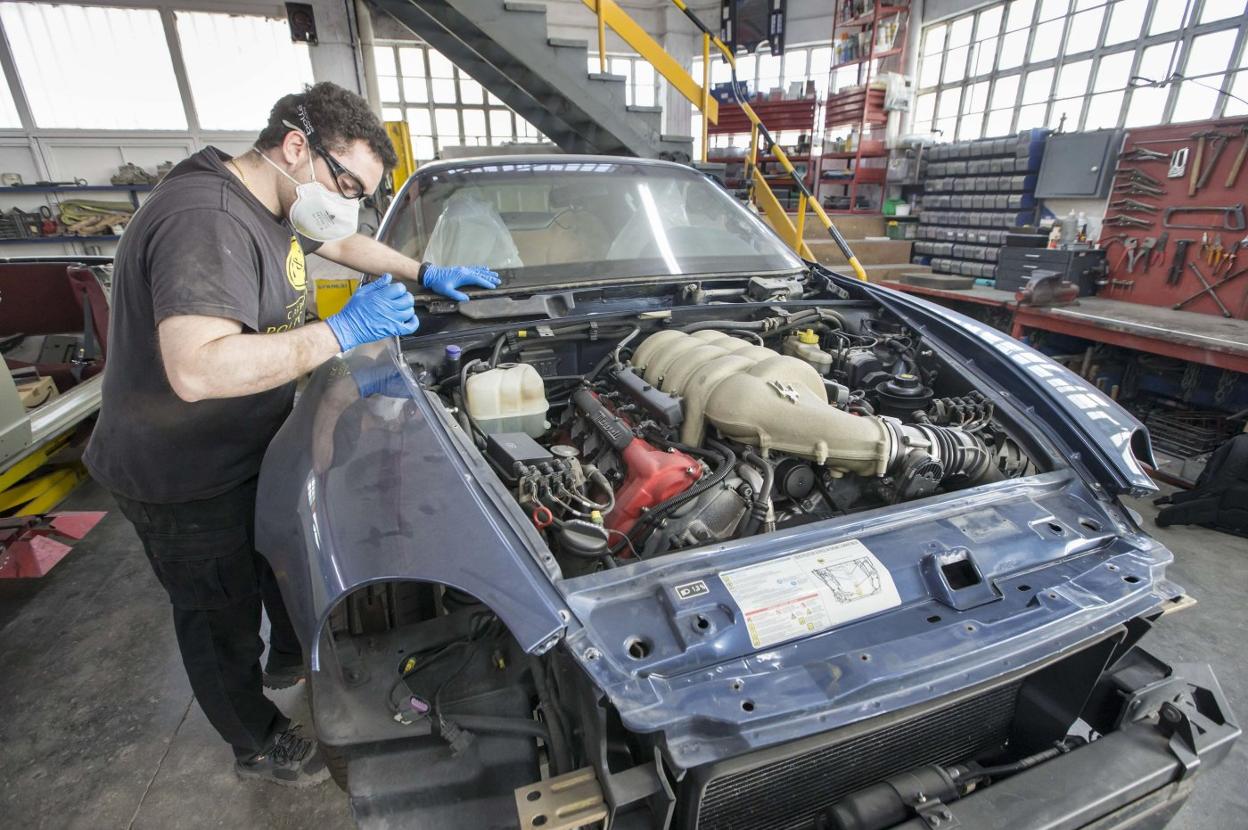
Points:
[(1069, 229)]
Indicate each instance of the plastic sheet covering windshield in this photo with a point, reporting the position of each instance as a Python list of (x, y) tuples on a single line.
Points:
[(470, 231), (546, 221)]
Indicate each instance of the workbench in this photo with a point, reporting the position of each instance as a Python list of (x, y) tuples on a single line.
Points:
[(1204, 339)]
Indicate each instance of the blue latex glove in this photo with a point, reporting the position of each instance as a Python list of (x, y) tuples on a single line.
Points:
[(445, 279), (380, 379), (382, 308)]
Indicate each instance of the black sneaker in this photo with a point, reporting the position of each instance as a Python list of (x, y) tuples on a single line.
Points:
[(282, 676), (292, 761)]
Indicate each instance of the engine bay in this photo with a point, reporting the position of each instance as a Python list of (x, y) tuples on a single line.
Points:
[(632, 439)]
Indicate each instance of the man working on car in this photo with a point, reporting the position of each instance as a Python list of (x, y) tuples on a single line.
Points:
[(207, 339)]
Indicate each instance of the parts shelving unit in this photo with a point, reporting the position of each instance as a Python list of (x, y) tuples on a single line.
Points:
[(56, 190), (793, 115), (974, 192), (860, 105)]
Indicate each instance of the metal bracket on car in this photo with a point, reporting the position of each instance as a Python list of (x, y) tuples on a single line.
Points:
[(1187, 713), (935, 814), (564, 802), (644, 784)]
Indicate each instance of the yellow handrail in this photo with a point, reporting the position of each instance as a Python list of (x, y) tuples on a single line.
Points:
[(805, 195), (610, 14), (602, 37), (706, 92)]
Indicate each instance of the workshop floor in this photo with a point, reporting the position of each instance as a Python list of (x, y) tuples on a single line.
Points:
[(99, 729)]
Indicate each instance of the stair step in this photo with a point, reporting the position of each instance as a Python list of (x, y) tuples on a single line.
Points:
[(868, 251), (893, 272), (851, 225), (635, 108), (947, 282), (676, 139), (544, 78)]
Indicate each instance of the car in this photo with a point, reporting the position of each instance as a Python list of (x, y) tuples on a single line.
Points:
[(675, 529)]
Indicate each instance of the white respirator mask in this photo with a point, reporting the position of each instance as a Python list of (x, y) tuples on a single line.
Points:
[(318, 213)]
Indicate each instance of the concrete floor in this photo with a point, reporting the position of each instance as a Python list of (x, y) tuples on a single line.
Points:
[(99, 728)]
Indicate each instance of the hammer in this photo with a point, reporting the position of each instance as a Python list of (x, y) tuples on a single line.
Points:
[(1217, 141), (1200, 154), (1233, 176)]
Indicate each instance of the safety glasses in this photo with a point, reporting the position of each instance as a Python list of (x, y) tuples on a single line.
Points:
[(348, 184)]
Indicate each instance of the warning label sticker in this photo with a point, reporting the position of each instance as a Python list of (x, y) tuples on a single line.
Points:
[(810, 591)]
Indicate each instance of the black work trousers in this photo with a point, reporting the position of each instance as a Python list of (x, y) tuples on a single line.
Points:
[(203, 553)]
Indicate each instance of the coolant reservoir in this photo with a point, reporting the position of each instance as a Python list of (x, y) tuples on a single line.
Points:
[(510, 399), (804, 345)]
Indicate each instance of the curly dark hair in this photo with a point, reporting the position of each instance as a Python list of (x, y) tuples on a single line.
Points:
[(335, 116)]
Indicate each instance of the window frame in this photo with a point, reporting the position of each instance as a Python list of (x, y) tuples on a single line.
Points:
[(488, 106), (1183, 37)]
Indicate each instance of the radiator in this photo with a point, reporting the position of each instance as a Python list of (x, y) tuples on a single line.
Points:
[(786, 787)]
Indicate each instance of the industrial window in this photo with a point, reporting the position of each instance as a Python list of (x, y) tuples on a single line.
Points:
[(9, 118), (642, 84), (766, 72), (1080, 64), (238, 65), (798, 66), (443, 106), (89, 67)]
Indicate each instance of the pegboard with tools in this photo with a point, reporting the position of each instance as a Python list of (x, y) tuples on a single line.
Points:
[(1174, 232)]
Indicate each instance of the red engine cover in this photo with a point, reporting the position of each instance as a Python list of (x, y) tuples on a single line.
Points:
[(654, 476)]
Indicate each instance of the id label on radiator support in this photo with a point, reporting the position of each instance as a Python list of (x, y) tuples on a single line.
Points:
[(810, 591)]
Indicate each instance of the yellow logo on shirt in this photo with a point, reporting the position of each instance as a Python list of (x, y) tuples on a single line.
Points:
[(297, 276), (296, 268)]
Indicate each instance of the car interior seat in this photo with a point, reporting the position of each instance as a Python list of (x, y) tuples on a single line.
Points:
[(53, 321)]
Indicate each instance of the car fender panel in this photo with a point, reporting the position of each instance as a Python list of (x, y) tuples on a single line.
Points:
[(363, 484)]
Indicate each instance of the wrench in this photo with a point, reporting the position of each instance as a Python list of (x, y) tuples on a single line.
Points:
[(1208, 289)]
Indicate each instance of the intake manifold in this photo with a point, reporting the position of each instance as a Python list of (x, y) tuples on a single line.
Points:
[(757, 396)]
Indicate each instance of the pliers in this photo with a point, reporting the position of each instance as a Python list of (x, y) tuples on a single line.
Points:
[(1127, 221)]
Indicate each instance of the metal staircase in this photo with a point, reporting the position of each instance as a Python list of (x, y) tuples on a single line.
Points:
[(504, 45)]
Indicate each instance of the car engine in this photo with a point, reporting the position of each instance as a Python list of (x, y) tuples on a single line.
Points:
[(721, 430)]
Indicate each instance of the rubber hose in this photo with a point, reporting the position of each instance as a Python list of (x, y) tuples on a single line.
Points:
[(727, 325), (559, 335), (728, 461), (720, 472), (758, 513), (559, 751), (492, 724)]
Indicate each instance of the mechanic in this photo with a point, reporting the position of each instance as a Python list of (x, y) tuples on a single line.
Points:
[(207, 339)]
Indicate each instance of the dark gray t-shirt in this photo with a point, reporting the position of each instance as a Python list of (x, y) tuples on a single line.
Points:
[(202, 244)]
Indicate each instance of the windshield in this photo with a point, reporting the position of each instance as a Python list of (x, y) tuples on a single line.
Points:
[(538, 222)]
